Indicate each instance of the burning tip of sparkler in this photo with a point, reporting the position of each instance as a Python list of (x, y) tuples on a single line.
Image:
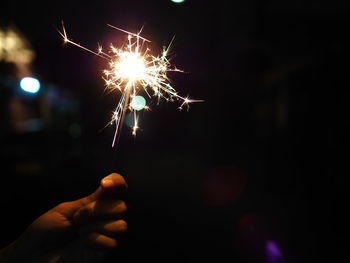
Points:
[(133, 69)]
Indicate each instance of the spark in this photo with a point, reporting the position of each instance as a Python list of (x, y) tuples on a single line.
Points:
[(133, 69)]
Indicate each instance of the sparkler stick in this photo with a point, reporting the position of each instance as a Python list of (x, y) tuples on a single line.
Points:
[(133, 69)]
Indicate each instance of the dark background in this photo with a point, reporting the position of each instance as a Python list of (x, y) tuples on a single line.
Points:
[(263, 160)]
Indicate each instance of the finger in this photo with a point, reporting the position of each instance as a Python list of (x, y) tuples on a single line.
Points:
[(111, 186), (100, 241), (111, 228), (100, 209)]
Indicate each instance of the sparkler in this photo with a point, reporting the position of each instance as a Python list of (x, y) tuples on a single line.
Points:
[(133, 69)]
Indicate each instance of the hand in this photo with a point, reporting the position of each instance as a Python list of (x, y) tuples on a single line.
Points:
[(80, 231)]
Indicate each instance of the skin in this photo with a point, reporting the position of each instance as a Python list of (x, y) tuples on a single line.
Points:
[(80, 231)]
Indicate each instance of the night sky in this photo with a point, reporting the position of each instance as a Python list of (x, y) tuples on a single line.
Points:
[(261, 162)]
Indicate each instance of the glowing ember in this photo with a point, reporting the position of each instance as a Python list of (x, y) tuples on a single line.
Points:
[(132, 69)]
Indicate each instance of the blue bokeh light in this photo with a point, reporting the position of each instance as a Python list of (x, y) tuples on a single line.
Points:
[(30, 84)]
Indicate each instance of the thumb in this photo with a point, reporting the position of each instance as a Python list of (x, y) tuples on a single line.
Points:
[(111, 186)]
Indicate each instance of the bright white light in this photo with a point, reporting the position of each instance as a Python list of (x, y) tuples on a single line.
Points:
[(131, 66), (178, 1), (29, 84)]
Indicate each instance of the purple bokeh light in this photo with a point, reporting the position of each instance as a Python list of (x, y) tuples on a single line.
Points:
[(273, 252)]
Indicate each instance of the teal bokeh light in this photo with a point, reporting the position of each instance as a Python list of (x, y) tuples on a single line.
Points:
[(138, 103), (177, 1), (129, 119), (30, 85)]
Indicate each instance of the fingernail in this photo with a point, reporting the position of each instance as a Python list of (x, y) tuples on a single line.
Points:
[(107, 183)]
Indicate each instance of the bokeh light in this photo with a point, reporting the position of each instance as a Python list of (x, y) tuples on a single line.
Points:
[(129, 119), (30, 85), (138, 103), (178, 1)]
